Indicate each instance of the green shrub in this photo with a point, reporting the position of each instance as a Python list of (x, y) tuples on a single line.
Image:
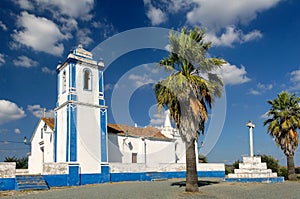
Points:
[(202, 158), (21, 163), (272, 163), (282, 171), (236, 164), (229, 169), (297, 170)]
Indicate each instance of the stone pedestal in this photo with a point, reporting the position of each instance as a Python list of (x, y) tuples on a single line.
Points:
[(253, 170), (252, 167)]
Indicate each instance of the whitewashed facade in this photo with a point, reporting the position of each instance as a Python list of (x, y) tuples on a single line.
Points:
[(78, 134), (41, 146)]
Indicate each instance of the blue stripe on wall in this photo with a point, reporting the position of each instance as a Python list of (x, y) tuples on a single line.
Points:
[(73, 134), (68, 132), (100, 81), (105, 176), (7, 184), (103, 131), (73, 66), (72, 97)]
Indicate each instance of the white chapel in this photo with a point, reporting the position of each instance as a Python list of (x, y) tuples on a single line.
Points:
[(79, 147)]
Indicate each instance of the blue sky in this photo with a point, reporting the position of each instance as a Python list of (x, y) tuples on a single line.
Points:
[(258, 38)]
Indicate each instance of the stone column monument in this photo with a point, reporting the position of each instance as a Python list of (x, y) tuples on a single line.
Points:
[(252, 169), (251, 126)]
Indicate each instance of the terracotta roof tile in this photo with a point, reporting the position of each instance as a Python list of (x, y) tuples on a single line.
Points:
[(49, 122), (148, 132)]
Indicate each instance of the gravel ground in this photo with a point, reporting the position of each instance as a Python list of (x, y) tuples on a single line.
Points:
[(209, 189)]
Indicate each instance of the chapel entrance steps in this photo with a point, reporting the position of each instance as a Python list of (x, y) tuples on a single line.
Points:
[(31, 182)]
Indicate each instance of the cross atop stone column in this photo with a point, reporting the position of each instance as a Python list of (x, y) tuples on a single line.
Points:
[(251, 126)]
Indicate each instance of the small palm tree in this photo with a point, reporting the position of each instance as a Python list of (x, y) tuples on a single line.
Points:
[(284, 121), (188, 90)]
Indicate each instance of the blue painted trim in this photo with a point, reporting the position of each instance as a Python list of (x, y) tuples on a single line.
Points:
[(73, 177), (73, 134), (7, 184), (212, 174), (55, 138), (246, 180), (73, 72), (103, 131), (56, 180), (72, 97), (148, 176), (105, 171), (91, 178), (68, 133), (101, 82), (101, 102)]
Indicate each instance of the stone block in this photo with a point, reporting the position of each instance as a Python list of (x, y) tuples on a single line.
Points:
[(55, 168), (253, 165), (253, 160), (7, 169)]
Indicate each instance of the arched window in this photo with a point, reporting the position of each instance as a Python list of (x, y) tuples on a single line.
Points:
[(87, 79), (64, 81)]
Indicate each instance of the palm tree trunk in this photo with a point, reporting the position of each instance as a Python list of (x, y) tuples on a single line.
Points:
[(191, 168), (291, 167)]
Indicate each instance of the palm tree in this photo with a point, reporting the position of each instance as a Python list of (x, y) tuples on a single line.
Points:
[(188, 90), (285, 119)]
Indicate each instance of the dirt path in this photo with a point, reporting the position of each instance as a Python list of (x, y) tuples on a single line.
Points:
[(170, 189)]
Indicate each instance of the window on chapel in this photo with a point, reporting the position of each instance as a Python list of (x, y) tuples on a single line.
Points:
[(87, 80)]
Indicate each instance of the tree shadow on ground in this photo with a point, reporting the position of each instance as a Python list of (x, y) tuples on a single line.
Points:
[(201, 183)]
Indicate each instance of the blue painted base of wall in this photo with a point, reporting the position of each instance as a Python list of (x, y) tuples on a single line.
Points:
[(74, 178), (263, 180), (7, 184), (149, 176)]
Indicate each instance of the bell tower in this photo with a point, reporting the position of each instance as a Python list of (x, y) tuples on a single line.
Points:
[(81, 114)]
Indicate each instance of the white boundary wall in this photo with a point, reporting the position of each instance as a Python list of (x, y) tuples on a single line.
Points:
[(131, 167)]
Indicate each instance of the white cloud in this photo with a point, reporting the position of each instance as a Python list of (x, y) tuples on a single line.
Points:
[(177, 5), (157, 119), (17, 131), (295, 80), (264, 87), (264, 116), (231, 36), (39, 33), (3, 26), (68, 24), (70, 8), (2, 60), (260, 88), (24, 4), (83, 38), (39, 112), (108, 87), (295, 76), (9, 111), (156, 15), (253, 92), (48, 71), (140, 80), (107, 29), (25, 62), (233, 75), (217, 14)]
